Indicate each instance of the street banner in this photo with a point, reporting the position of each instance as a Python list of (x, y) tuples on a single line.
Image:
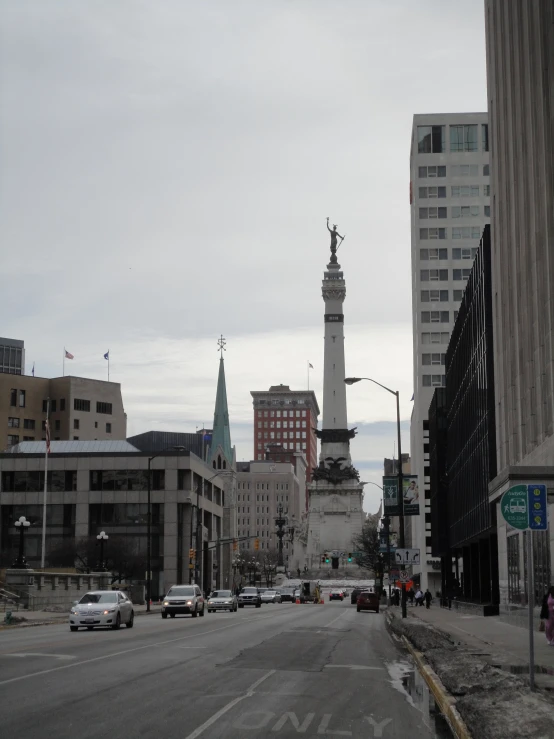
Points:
[(410, 495), (391, 498)]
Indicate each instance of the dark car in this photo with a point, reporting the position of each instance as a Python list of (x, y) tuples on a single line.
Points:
[(336, 595), (250, 597), (287, 595), (355, 593), (367, 601)]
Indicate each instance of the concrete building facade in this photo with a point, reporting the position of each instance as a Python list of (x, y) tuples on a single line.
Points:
[(94, 486), (520, 80), (450, 205), (80, 409), (12, 356)]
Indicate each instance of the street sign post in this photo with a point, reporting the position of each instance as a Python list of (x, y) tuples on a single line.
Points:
[(404, 576), (525, 507), (407, 557)]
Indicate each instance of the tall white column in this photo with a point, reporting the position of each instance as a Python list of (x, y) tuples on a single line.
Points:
[(334, 389)]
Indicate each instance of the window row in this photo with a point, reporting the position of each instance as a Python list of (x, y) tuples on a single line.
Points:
[(33, 482), (300, 447), (435, 316), (433, 380), (277, 424), (465, 137), (435, 337), (457, 211), (285, 435), (14, 423), (456, 170), (285, 414), (126, 479), (441, 254), (433, 358), (458, 232), (439, 296), (456, 191)]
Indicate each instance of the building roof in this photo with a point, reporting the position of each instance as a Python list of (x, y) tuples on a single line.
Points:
[(74, 447)]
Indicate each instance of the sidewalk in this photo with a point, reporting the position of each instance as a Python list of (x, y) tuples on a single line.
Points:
[(496, 641), (45, 617)]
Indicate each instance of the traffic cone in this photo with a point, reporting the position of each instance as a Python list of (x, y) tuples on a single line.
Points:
[(297, 601)]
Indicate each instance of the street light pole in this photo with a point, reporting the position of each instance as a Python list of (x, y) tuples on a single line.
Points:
[(22, 524), (102, 538), (401, 541)]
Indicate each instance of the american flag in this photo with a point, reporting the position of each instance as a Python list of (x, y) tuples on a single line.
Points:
[(47, 436), (68, 355)]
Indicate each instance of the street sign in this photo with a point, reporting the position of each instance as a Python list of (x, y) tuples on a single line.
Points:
[(406, 556), (404, 576), (525, 507), (394, 573)]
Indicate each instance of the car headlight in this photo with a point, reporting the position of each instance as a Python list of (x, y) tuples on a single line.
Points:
[(210, 603), (189, 602), (74, 612), (166, 602), (109, 610)]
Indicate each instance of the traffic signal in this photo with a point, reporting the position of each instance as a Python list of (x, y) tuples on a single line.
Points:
[(322, 559), (256, 544), (235, 545), (350, 556), (192, 553), (326, 559)]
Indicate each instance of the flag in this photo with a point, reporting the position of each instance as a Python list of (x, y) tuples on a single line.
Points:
[(68, 355), (33, 370), (107, 355), (310, 365), (47, 436)]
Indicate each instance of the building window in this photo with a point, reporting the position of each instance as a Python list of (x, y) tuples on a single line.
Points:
[(57, 425), (22, 398), (465, 191), (458, 294), (432, 233), (104, 408), (463, 138), (29, 423), (432, 213), (433, 358), (13, 423), (464, 170), (487, 211), (430, 139), (435, 337), (13, 439), (433, 275), (76, 424), (75, 438), (434, 296), (485, 136), (439, 254), (464, 211), (13, 398), (436, 171), (466, 232), (435, 316), (433, 380), (461, 274), (432, 192), (62, 404), (487, 190), (81, 405), (464, 253), (486, 170)]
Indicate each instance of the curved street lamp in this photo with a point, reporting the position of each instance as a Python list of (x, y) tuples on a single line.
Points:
[(22, 524), (102, 538), (396, 393)]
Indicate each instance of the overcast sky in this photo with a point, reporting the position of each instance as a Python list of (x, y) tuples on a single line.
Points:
[(167, 167)]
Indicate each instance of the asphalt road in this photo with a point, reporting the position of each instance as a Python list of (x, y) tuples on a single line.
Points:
[(282, 670)]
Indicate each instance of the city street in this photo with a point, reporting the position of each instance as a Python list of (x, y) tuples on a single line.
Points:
[(282, 670)]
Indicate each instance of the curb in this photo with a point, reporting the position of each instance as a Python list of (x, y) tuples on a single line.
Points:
[(443, 699)]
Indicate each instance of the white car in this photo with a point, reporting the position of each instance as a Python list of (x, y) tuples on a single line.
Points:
[(271, 596), (222, 600), (102, 608)]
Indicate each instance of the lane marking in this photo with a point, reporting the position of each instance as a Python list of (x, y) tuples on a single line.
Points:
[(138, 649), (335, 619), (38, 654), (222, 711), (354, 667)]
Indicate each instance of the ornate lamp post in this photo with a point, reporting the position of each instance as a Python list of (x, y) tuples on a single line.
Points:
[(280, 522), (102, 538), (22, 524)]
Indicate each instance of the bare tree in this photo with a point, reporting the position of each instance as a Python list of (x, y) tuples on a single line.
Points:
[(367, 544)]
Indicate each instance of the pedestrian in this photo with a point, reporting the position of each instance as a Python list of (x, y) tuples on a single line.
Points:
[(547, 614), (419, 597), (428, 598), (298, 572), (397, 597), (411, 595)]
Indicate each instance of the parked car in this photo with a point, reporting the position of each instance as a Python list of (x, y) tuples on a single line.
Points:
[(222, 600), (271, 596), (183, 599), (336, 595), (287, 595), (250, 597), (102, 608), (367, 601)]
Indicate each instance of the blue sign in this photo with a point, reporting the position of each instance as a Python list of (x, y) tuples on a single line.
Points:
[(537, 507)]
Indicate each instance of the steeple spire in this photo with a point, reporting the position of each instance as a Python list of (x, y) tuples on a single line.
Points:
[(221, 454)]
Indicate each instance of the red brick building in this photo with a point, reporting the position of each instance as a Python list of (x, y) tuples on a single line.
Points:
[(288, 418)]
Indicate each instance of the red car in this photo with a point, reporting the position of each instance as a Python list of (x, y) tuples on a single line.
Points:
[(367, 602), (336, 595)]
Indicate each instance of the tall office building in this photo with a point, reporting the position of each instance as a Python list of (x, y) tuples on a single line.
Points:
[(520, 80), (450, 205), (287, 417), (12, 356)]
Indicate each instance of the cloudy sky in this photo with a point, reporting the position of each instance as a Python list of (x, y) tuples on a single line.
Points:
[(167, 169)]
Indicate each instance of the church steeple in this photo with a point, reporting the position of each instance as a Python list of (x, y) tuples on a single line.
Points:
[(221, 454)]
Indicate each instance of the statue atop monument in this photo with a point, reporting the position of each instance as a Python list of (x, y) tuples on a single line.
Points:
[(334, 233)]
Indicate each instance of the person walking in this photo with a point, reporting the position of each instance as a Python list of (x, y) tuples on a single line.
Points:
[(428, 598), (547, 613), (411, 595), (419, 597)]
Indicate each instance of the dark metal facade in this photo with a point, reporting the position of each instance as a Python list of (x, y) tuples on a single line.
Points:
[(155, 442), (438, 483), (470, 407)]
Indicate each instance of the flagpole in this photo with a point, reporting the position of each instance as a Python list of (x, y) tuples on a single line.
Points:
[(308, 368), (108, 365), (46, 435), (63, 363)]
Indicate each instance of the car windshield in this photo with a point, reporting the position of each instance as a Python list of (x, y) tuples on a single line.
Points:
[(187, 592), (99, 598), (221, 594), (269, 592), (250, 590)]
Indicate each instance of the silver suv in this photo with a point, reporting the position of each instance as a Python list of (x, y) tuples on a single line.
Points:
[(250, 597), (183, 599)]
